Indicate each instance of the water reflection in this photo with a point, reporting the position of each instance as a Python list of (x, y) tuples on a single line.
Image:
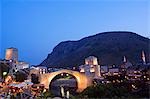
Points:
[(63, 85)]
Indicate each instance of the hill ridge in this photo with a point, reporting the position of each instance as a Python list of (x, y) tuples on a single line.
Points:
[(108, 47)]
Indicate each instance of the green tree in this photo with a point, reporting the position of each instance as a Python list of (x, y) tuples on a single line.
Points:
[(20, 76), (104, 91), (48, 94), (34, 79), (3, 68)]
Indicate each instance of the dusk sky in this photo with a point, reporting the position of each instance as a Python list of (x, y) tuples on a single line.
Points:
[(35, 27)]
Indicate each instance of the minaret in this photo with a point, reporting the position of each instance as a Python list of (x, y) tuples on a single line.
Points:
[(143, 57), (124, 59)]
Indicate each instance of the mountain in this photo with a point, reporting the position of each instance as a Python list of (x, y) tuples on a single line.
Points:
[(108, 47)]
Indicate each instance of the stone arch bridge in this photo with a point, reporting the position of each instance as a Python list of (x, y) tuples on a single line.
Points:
[(82, 80)]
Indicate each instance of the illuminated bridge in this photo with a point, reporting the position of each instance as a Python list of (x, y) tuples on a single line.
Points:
[(82, 80)]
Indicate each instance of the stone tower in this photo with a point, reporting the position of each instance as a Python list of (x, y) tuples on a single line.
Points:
[(11, 54)]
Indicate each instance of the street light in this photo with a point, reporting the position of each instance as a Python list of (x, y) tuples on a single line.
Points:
[(4, 73), (67, 74)]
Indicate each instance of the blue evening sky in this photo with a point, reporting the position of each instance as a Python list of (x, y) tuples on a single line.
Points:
[(36, 26)]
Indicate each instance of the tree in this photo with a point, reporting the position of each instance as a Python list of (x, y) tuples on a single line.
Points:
[(48, 94), (104, 91), (20, 76), (3, 68), (34, 79)]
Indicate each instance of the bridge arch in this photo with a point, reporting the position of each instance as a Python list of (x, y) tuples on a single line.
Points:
[(82, 80)]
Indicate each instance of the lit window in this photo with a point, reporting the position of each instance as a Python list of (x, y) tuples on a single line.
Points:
[(82, 70), (91, 66), (92, 70), (113, 81), (118, 81), (133, 86), (115, 73)]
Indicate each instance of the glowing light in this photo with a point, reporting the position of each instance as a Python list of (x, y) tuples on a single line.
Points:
[(4, 73), (92, 70), (37, 68), (74, 68), (82, 70), (133, 86), (62, 91), (113, 81), (115, 73), (67, 95), (118, 81)]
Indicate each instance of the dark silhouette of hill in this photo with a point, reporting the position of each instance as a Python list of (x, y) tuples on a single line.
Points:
[(108, 47)]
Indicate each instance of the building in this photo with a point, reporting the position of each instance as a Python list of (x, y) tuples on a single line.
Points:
[(22, 65), (113, 71), (11, 58), (133, 74), (91, 60), (38, 70), (12, 54), (104, 69), (91, 67)]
